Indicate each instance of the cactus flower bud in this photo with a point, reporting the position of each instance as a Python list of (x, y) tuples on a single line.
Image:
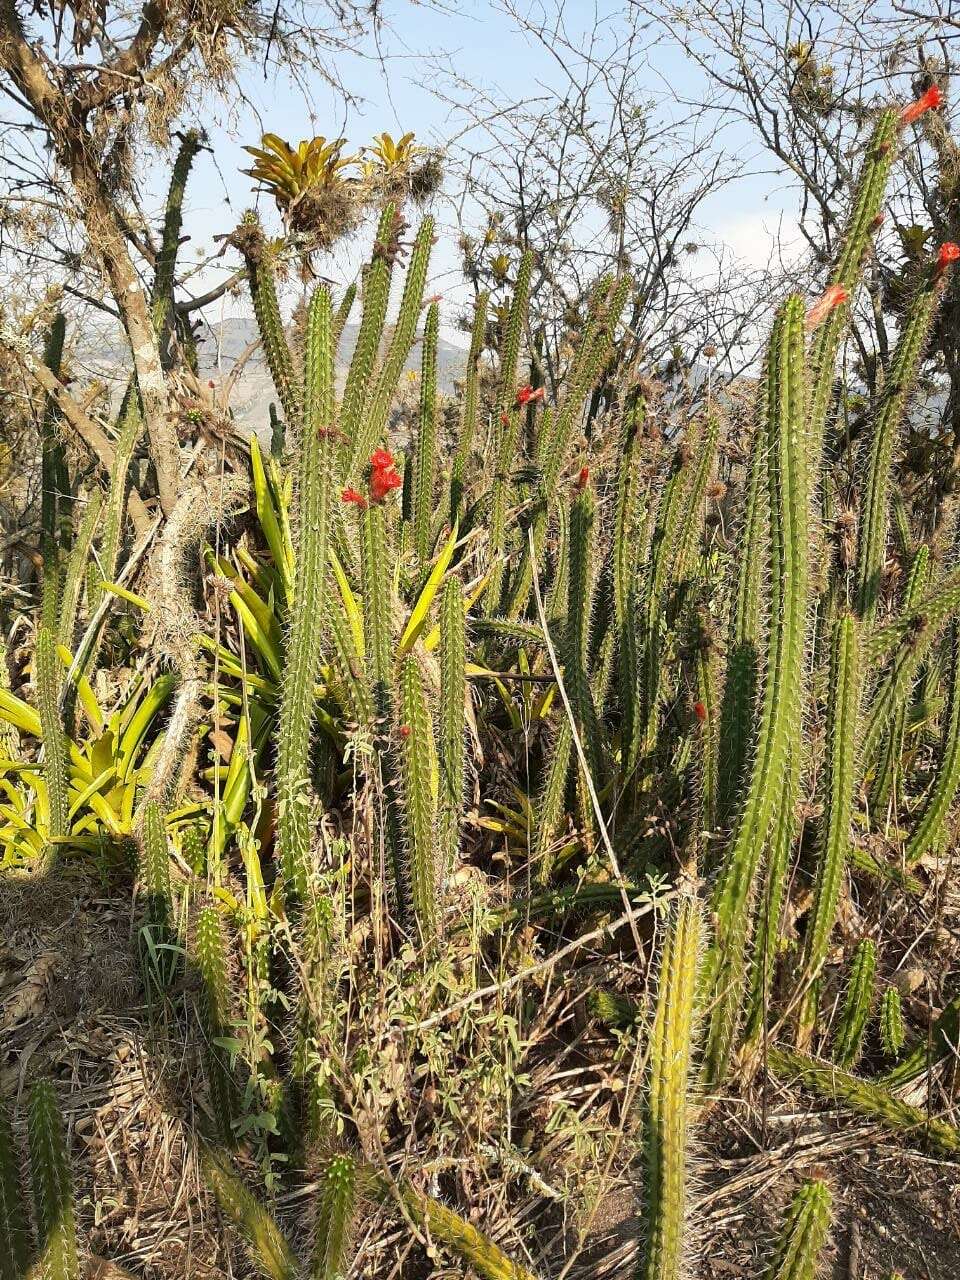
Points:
[(404, 731), (526, 395), (834, 296), (583, 477), (351, 495), (926, 102), (700, 711)]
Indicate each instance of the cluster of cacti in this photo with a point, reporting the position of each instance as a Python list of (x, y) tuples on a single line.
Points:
[(574, 663)]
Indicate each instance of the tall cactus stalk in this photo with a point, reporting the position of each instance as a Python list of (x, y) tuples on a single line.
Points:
[(53, 1206), (665, 1130), (453, 692), (892, 1033), (268, 1246), (418, 768), (931, 830), (315, 483), (469, 411), (376, 295), (14, 1229), (215, 1013), (55, 766), (900, 380), (425, 462), (804, 1234), (53, 478), (839, 780), (779, 726)]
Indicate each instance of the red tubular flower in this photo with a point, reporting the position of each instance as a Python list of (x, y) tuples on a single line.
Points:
[(351, 495), (526, 395), (383, 475), (928, 101), (947, 253), (835, 295)]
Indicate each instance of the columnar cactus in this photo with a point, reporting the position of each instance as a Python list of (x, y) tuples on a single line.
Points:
[(892, 1034), (780, 712), (425, 461), (857, 1004), (468, 414), (839, 779), (215, 1014), (267, 1244), (665, 1128), (53, 1206), (55, 766), (14, 1230), (315, 485), (931, 829), (453, 692), (865, 1098), (336, 1195), (804, 1234)]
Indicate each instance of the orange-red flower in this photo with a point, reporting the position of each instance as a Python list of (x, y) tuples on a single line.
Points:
[(383, 475), (926, 102), (583, 477), (947, 253), (526, 395), (700, 711), (835, 295), (351, 495)]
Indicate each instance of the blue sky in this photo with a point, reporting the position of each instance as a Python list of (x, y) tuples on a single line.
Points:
[(485, 47)]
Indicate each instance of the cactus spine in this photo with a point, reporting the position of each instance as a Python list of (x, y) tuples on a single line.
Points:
[(839, 781), (309, 590), (336, 1198), (426, 456), (52, 1187), (453, 692), (14, 1231), (666, 1125), (804, 1234), (858, 1001), (779, 726)]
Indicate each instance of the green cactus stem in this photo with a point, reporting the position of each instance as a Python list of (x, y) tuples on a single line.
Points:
[(425, 462), (468, 413), (336, 1195), (865, 1098), (931, 830), (53, 1206), (665, 1130), (857, 1005), (469, 1243), (804, 1234), (452, 736), (315, 481), (268, 1246), (55, 767), (839, 780), (892, 1033), (215, 1014), (418, 768), (14, 1229), (779, 727)]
